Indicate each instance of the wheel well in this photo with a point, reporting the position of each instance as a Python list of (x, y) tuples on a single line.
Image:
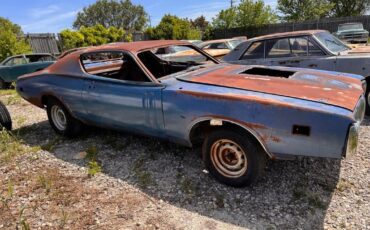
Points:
[(45, 99), (200, 131)]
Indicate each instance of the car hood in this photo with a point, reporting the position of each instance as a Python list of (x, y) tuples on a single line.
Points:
[(325, 87), (363, 50)]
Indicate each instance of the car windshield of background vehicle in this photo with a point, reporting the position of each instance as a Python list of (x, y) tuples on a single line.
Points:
[(169, 60), (350, 27), (331, 42), (235, 43)]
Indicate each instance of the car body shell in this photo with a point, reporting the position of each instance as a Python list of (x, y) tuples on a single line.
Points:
[(10, 73), (219, 52), (355, 61), (352, 33), (175, 106)]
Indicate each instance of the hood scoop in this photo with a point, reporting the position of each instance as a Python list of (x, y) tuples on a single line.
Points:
[(265, 72)]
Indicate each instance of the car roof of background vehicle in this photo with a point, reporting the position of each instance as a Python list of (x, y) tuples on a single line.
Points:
[(133, 47), (217, 41), (287, 34), (351, 23)]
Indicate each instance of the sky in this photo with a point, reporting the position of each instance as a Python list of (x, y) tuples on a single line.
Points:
[(50, 16)]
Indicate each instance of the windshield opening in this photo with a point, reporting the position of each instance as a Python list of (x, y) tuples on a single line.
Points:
[(331, 42), (357, 26), (168, 60)]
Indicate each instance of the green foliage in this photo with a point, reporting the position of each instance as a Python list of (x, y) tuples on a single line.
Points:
[(173, 27), (120, 14), (93, 168), (347, 8), (92, 36), (247, 13), (10, 41), (301, 10), (200, 23)]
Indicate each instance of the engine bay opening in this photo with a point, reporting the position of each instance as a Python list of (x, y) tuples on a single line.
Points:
[(269, 72)]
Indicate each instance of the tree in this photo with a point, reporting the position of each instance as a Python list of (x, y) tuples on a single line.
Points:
[(11, 41), (346, 8), (92, 36), (302, 10), (120, 14), (200, 23), (254, 13), (225, 19), (173, 27), (247, 13)]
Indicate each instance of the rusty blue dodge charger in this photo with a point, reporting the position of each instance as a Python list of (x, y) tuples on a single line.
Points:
[(242, 115)]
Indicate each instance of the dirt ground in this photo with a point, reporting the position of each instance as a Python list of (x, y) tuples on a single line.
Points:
[(111, 180)]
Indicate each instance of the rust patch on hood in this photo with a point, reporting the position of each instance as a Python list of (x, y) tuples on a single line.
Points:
[(309, 85)]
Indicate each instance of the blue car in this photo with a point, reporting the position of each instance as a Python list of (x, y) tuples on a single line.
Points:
[(242, 115)]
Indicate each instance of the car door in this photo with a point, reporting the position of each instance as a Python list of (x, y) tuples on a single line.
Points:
[(117, 97), (254, 55), (298, 52)]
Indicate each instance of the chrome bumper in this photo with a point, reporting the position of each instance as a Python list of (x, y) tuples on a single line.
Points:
[(352, 140)]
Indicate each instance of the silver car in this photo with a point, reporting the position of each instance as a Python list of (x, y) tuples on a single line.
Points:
[(316, 49)]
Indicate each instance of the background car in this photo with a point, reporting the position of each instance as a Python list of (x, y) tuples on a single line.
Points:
[(352, 33), (15, 66), (219, 48), (316, 49), (241, 115)]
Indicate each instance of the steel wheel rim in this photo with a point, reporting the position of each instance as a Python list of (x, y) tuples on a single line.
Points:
[(59, 118), (228, 158)]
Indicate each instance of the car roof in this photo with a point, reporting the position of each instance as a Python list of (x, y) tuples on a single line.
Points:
[(350, 23), (133, 47), (218, 41), (288, 34)]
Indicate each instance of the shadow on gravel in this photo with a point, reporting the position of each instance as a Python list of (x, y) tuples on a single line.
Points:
[(292, 194)]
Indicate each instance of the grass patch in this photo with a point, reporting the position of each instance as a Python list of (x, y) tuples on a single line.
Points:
[(144, 177), (45, 183), (11, 146), (8, 92), (343, 185), (50, 145)]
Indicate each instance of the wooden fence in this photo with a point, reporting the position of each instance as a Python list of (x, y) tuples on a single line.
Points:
[(330, 24)]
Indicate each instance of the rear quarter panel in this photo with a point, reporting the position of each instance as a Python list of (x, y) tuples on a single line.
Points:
[(67, 89)]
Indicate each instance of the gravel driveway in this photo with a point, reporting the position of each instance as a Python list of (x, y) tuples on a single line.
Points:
[(149, 184)]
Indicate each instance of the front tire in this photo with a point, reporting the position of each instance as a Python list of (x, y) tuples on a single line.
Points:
[(233, 159), (61, 120)]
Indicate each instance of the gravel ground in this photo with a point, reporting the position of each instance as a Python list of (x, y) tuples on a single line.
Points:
[(149, 184)]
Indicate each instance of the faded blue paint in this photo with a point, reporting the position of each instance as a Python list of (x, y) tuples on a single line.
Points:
[(165, 111)]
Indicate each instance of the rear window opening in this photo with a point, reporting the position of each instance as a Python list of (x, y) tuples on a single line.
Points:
[(269, 72)]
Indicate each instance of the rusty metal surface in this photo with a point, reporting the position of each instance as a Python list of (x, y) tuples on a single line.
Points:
[(321, 87)]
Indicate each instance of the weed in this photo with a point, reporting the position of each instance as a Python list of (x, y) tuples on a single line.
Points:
[(10, 146), (187, 186), (93, 168), (22, 221), (220, 201), (8, 197), (13, 99), (91, 153), (144, 177), (315, 201), (45, 183), (343, 185), (64, 219), (50, 145)]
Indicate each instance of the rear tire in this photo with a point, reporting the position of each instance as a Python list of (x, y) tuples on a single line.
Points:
[(5, 119), (233, 159), (61, 120)]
